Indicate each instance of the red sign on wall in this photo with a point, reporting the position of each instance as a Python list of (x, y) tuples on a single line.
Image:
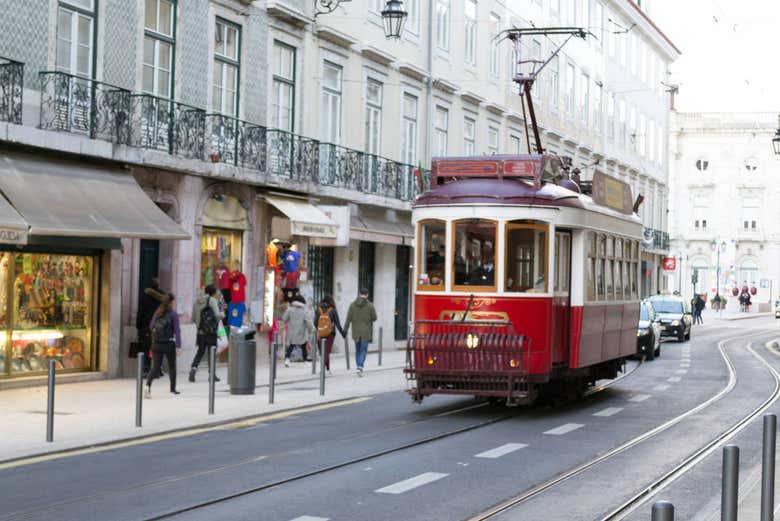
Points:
[(670, 263)]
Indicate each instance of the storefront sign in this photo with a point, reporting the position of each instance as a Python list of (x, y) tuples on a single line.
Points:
[(313, 229), (612, 193), (670, 264), (8, 236)]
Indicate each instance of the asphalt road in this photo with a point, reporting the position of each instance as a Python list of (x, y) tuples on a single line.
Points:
[(500, 453)]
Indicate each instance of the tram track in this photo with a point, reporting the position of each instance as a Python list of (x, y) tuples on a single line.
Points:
[(658, 484)]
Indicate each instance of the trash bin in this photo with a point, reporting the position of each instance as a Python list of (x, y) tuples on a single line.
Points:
[(241, 361)]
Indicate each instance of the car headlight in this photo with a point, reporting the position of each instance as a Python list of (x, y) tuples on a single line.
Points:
[(642, 332), (675, 322)]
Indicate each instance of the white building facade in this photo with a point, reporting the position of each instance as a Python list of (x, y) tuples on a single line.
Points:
[(723, 198)]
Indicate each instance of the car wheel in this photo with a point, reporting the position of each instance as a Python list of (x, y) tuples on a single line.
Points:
[(681, 335), (688, 335), (650, 356), (658, 350)]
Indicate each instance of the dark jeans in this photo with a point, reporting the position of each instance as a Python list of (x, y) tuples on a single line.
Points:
[(289, 350), (361, 350), (204, 344), (160, 351), (328, 348)]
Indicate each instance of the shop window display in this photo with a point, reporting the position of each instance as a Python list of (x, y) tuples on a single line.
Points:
[(220, 254), (52, 311)]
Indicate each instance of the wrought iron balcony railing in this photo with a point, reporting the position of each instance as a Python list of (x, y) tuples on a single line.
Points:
[(660, 240), (81, 105), (11, 90), (234, 141), (167, 125), (292, 156)]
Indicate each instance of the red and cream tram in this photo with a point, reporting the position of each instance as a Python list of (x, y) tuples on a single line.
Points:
[(523, 283)]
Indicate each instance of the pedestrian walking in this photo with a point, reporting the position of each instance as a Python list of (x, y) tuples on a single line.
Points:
[(166, 342), (207, 316), (326, 319), (698, 307), (361, 316), (150, 300), (299, 328)]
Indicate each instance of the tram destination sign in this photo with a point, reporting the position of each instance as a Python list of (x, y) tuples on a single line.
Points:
[(612, 193), (528, 167)]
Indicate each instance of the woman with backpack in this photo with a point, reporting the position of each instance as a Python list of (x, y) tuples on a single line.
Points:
[(166, 342), (326, 319), (207, 318)]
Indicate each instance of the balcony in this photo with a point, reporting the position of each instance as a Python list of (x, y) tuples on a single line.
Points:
[(83, 106), (660, 240), (11, 90), (167, 125)]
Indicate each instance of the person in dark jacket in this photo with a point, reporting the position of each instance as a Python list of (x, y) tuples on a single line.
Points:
[(698, 306), (166, 342), (327, 307), (205, 339), (150, 300), (361, 315)]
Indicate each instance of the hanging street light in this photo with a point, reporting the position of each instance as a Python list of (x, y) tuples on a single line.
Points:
[(394, 17), (776, 139)]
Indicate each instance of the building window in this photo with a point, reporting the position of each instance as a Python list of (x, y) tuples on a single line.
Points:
[(584, 13), (584, 98), (330, 130), (409, 135), (159, 23), (536, 55), (283, 93), (632, 128), (598, 23), (661, 144), (514, 144), (469, 136), (495, 61), (651, 140), (611, 116), (622, 127), (226, 68), (474, 254), (470, 39), (570, 101), (702, 164), (366, 262), (554, 82), (443, 24), (75, 38), (413, 16), (373, 117), (634, 50), (440, 130), (642, 134), (493, 139), (597, 107), (320, 263)]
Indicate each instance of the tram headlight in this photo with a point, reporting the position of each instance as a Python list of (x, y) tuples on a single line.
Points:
[(431, 360), (472, 340), (514, 364)]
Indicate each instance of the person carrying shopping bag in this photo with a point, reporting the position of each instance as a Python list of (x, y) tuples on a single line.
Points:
[(361, 316), (326, 319), (166, 342), (207, 317)]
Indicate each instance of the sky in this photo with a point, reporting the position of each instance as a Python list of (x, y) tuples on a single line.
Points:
[(730, 53)]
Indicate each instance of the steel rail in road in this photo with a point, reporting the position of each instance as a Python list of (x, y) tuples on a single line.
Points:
[(361, 459), (648, 491)]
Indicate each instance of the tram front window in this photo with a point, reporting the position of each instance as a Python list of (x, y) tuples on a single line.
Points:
[(474, 262), (432, 250), (526, 254)]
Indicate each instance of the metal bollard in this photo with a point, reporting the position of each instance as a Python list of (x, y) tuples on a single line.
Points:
[(322, 367), (212, 376), (662, 511), (272, 370), (139, 390), (314, 353), (346, 351), (729, 495), (768, 468), (50, 405), (380, 345)]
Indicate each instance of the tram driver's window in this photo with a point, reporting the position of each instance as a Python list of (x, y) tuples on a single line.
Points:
[(526, 256), (474, 262), (432, 250)]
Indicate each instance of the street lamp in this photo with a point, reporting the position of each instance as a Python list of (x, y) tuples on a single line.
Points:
[(394, 17), (680, 259), (714, 247)]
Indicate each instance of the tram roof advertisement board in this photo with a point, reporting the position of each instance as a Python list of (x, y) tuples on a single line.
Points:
[(612, 193), (529, 167)]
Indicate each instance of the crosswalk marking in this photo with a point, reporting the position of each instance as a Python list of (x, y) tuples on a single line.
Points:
[(411, 483), (565, 428), (639, 398), (674, 379), (310, 518), (661, 387), (681, 371), (609, 411), (501, 451)]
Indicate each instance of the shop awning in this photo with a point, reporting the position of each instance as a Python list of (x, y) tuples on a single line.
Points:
[(68, 199), (376, 230), (305, 219), (13, 228)]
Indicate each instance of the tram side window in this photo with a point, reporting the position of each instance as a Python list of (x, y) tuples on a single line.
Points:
[(618, 269), (590, 265), (474, 261), (601, 244), (563, 261), (432, 248), (526, 256)]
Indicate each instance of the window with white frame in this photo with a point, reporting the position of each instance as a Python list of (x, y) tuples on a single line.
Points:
[(597, 107), (373, 117), (224, 94), (376, 6), (584, 14), (283, 90), (75, 26), (469, 136), (642, 135), (597, 23), (622, 126), (514, 144), (554, 75), (570, 9), (412, 16), (611, 116), (536, 54), (555, 8), (409, 131), (749, 214), (634, 41), (330, 111), (470, 40), (609, 29), (661, 144), (570, 101), (159, 21), (632, 137), (443, 24), (584, 98), (441, 124), (493, 139), (495, 59), (651, 140), (621, 39), (644, 64)]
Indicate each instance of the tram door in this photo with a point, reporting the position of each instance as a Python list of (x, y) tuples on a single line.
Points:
[(561, 296)]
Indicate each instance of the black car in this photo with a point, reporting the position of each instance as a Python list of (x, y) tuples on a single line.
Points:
[(648, 332), (674, 315)]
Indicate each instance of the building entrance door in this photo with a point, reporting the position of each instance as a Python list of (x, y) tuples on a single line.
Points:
[(402, 261)]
